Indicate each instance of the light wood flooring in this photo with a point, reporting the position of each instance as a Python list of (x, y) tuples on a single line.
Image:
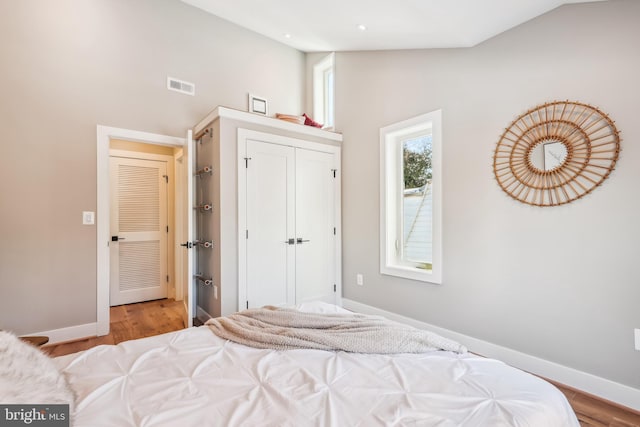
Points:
[(158, 317), (130, 322)]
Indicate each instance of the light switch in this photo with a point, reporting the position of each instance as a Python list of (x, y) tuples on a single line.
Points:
[(88, 218)]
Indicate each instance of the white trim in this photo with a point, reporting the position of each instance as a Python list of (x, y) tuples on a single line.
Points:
[(178, 213), (598, 386), (202, 315), (71, 333), (389, 175), (241, 145), (338, 222), (264, 121), (125, 154), (104, 134)]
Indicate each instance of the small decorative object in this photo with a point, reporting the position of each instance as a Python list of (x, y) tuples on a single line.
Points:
[(289, 118), (556, 153), (258, 105), (310, 122)]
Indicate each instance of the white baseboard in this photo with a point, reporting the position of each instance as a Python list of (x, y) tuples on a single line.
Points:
[(71, 333), (601, 387), (202, 315)]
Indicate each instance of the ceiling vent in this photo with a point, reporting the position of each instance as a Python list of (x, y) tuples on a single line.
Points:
[(181, 86)]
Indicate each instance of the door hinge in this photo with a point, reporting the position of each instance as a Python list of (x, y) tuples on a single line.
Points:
[(167, 278), (334, 231), (334, 288), (247, 305), (246, 162), (166, 178), (334, 172), (167, 228), (246, 234)]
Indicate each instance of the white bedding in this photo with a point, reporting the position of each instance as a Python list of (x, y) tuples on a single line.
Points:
[(193, 378)]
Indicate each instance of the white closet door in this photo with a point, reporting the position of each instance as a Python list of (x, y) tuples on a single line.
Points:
[(315, 220), (270, 223), (138, 228)]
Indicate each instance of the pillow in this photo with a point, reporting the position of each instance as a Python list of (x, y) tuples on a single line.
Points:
[(28, 376), (310, 122)]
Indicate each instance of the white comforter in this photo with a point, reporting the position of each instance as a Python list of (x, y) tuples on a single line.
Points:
[(193, 378)]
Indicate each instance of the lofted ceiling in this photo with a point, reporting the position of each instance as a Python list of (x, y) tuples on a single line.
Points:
[(333, 25)]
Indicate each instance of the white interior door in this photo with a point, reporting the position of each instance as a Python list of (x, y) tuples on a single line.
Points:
[(270, 256), (138, 247), (315, 222)]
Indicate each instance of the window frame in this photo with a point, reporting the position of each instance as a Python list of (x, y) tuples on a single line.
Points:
[(391, 183), (322, 93)]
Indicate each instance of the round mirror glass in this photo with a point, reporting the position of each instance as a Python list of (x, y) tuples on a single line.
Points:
[(548, 155)]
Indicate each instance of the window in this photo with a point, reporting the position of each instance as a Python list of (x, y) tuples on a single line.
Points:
[(323, 91), (411, 199)]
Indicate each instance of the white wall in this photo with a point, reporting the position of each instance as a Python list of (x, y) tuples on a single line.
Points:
[(557, 283), (69, 65)]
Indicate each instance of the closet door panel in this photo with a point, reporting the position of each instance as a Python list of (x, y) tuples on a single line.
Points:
[(270, 223), (315, 220)]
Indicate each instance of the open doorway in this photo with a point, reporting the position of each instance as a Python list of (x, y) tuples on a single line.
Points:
[(148, 160)]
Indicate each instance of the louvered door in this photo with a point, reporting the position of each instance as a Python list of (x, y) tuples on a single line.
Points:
[(138, 244)]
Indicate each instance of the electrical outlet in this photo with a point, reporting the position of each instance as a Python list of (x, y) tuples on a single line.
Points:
[(215, 291), (359, 279), (637, 333)]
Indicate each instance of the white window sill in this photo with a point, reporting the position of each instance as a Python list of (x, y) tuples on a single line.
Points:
[(412, 273)]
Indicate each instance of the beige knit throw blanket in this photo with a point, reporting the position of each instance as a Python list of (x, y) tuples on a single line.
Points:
[(288, 329)]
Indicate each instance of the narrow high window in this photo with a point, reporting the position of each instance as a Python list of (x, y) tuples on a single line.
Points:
[(323, 91), (411, 198)]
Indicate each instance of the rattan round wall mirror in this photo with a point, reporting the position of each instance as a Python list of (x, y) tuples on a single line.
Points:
[(556, 153)]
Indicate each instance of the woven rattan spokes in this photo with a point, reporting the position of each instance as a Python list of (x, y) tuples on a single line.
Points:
[(581, 145)]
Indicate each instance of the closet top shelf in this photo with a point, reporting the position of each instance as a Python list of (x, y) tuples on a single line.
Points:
[(230, 113)]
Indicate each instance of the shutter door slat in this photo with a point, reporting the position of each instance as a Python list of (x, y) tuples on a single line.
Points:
[(139, 265), (139, 199)]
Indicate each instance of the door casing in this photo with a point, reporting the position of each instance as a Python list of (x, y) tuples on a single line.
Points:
[(104, 134)]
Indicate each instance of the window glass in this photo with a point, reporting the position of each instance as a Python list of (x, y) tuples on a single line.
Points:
[(417, 201), (323, 91), (329, 89)]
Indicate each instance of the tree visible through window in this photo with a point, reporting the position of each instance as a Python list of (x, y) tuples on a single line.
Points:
[(416, 154)]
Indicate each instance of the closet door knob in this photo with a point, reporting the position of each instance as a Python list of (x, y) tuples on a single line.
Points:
[(291, 241), (299, 240)]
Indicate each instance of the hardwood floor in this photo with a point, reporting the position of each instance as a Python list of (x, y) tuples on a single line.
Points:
[(130, 322), (595, 412), (158, 317)]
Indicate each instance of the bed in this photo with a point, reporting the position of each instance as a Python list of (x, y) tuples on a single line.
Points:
[(195, 378)]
